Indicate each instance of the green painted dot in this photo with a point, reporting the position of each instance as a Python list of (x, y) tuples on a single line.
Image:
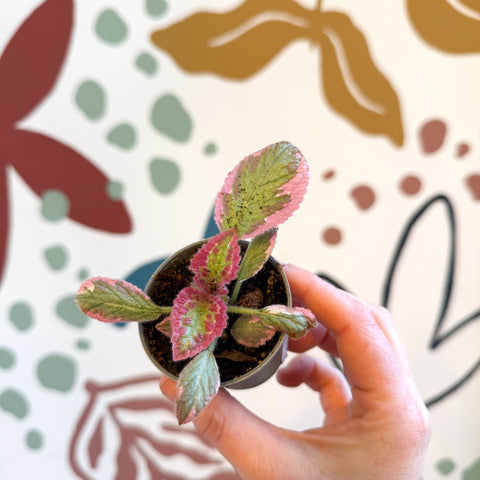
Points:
[(445, 466), (7, 358), (83, 274), (115, 190), (13, 401), (21, 315), (56, 257), (156, 8), (110, 27), (57, 372), (55, 205), (91, 99), (146, 63), (210, 148), (170, 118), (34, 439), (68, 311), (472, 472), (83, 344), (165, 175), (123, 136)]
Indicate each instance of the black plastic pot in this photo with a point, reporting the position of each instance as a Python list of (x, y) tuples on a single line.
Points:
[(252, 366)]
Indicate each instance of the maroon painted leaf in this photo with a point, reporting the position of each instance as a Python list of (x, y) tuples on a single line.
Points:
[(197, 319), (263, 190), (32, 59), (353, 84), (115, 433), (215, 265), (95, 446), (110, 300), (4, 218), (197, 384), (47, 164)]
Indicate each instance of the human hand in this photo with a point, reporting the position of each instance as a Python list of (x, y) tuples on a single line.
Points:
[(376, 425)]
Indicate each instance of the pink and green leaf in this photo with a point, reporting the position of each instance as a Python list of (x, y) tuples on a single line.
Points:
[(263, 190), (248, 330), (215, 265), (165, 326), (258, 251), (110, 300), (197, 319), (197, 384), (294, 321)]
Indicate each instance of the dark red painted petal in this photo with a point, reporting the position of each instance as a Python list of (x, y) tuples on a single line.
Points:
[(4, 215), (47, 164), (32, 59)]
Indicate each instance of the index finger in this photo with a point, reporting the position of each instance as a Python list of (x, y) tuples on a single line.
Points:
[(369, 361)]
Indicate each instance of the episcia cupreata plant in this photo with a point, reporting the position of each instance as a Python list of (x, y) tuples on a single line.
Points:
[(261, 192)]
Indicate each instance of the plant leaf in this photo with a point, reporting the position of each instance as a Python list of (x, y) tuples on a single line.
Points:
[(59, 167), (248, 330), (110, 300), (32, 59), (263, 190), (353, 85), (443, 26), (216, 264), (258, 251), (165, 326), (197, 384), (197, 319), (295, 322)]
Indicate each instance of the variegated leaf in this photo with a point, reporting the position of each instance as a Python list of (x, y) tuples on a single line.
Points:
[(295, 322), (216, 264), (258, 251), (248, 330), (197, 319), (110, 300), (197, 384), (263, 190)]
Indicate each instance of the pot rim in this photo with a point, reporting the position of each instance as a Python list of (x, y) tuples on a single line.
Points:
[(278, 352)]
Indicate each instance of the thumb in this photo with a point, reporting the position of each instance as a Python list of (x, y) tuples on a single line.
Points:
[(240, 436)]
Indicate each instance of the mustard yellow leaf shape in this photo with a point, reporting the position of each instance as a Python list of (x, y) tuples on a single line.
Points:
[(228, 44), (445, 26), (353, 84), (473, 5)]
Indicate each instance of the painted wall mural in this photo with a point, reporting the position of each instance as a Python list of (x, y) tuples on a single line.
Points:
[(118, 123)]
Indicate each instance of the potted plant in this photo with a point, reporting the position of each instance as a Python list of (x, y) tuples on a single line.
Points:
[(210, 294)]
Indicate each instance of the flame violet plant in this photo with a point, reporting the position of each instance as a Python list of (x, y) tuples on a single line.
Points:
[(262, 191)]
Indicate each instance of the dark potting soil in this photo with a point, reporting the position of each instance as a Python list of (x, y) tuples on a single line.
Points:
[(233, 359)]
